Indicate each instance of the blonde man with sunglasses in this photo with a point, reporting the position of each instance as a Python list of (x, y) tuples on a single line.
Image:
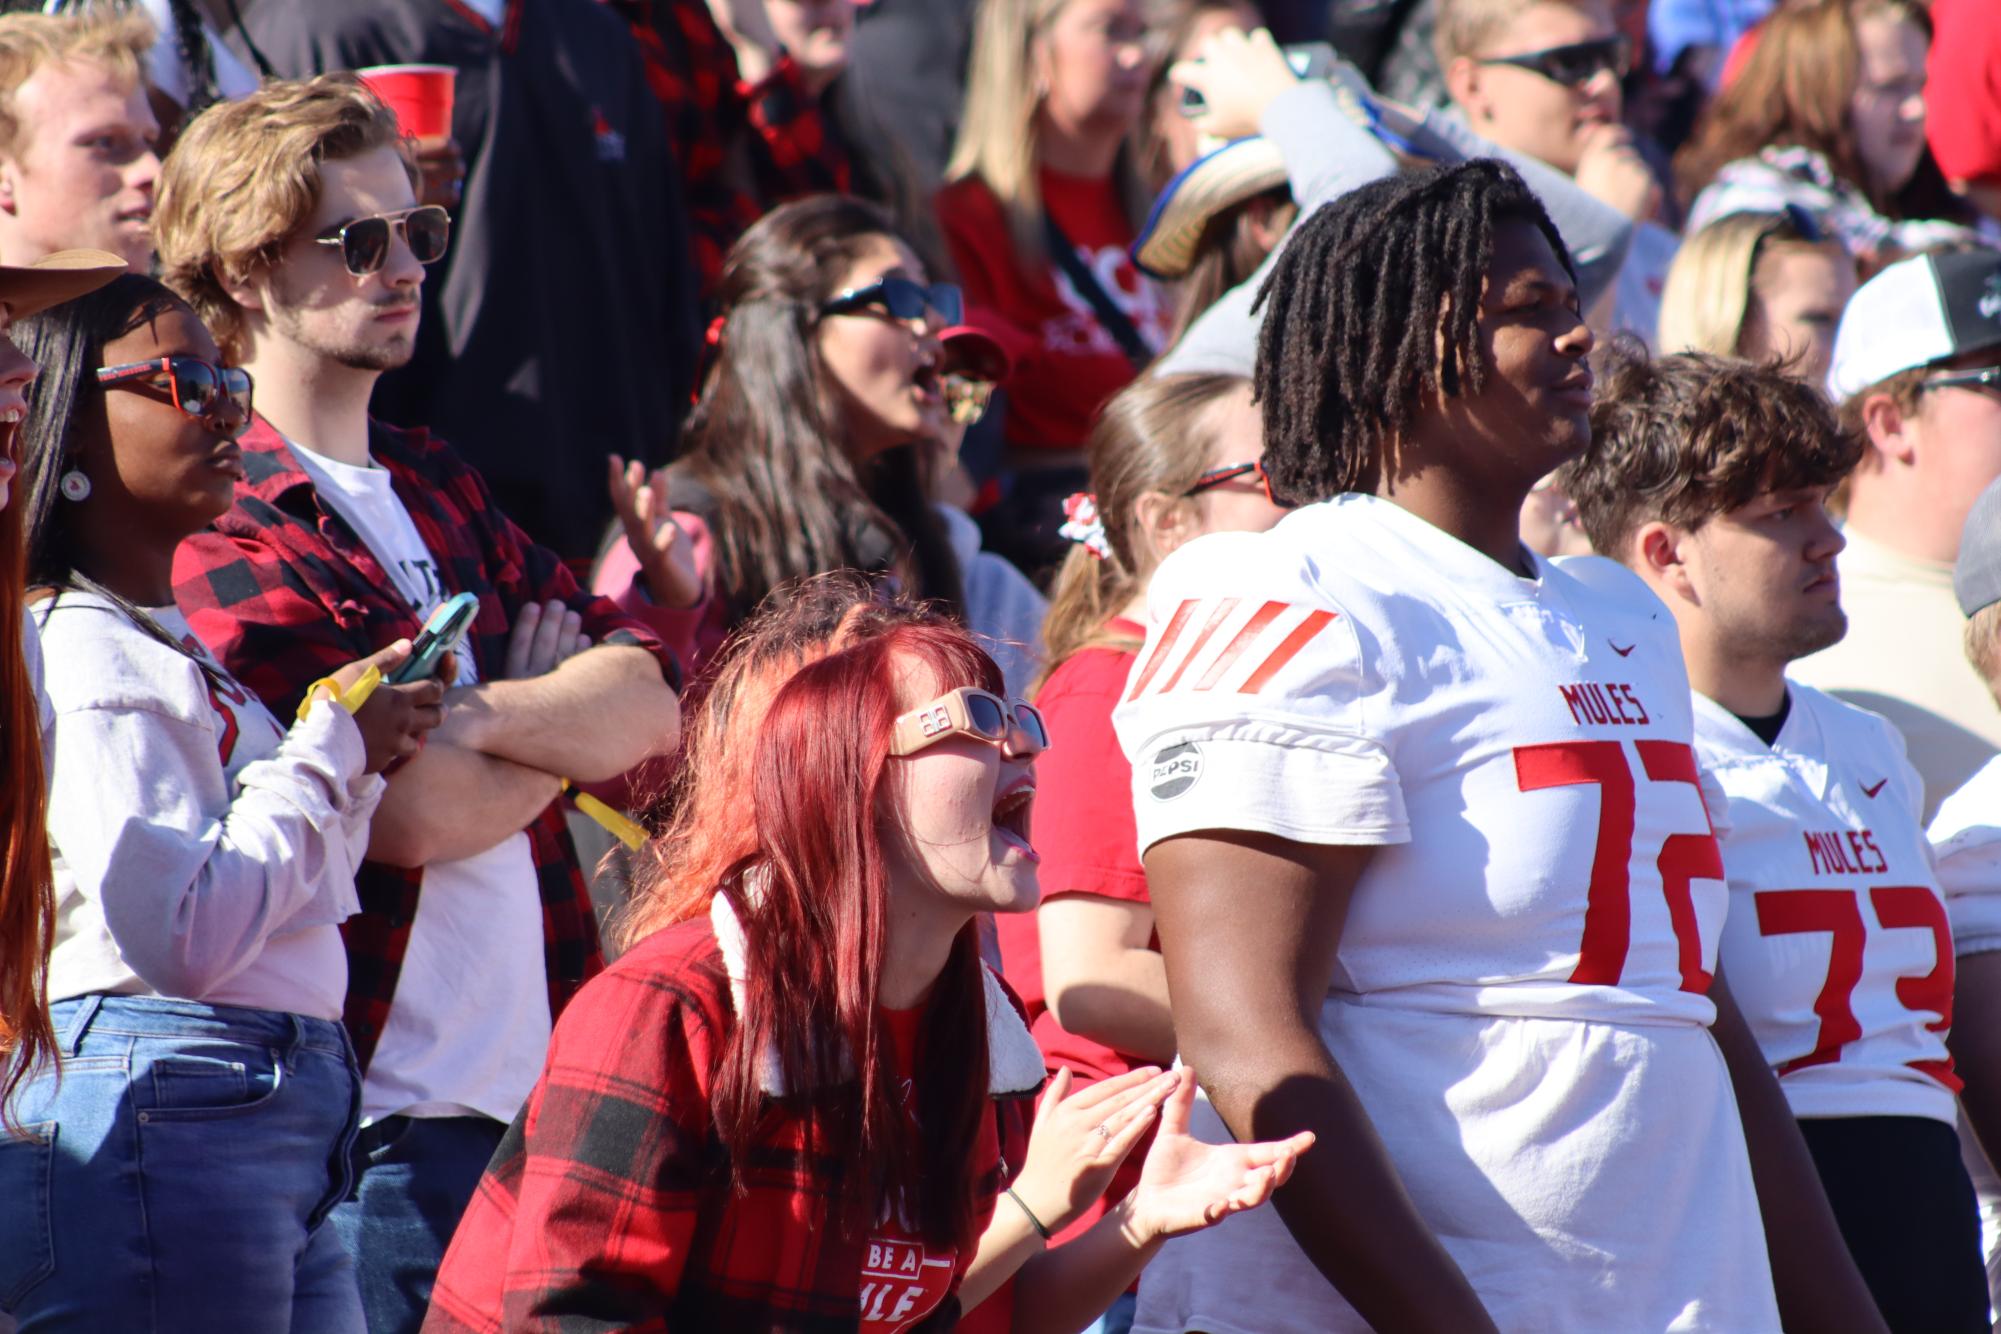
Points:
[(1542, 77), (289, 219)]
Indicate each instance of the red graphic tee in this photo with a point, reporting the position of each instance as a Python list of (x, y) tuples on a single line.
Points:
[(904, 1278)]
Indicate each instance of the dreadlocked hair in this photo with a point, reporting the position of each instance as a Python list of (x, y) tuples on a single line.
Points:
[(1371, 311)]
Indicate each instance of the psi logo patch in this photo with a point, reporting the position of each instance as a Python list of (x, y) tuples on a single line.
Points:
[(1175, 771)]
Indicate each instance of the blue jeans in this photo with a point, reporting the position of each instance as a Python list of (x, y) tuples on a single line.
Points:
[(174, 1175), (413, 1177)]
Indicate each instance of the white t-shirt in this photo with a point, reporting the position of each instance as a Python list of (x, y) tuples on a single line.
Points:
[(1966, 838), (1518, 995), (201, 850), (468, 1028), (1837, 947), (1902, 658)]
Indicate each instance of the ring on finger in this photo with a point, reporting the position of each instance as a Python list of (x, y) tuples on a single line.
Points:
[(1099, 1129)]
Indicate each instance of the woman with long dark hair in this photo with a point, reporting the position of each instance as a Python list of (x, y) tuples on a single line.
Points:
[(27, 898), (802, 1104), (802, 454), (188, 1148)]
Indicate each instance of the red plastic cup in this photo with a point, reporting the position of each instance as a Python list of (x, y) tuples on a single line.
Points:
[(420, 95)]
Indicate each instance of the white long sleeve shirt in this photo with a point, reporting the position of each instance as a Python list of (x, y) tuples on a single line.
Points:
[(201, 850)]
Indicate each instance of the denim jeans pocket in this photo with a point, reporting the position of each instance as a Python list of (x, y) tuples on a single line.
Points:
[(202, 1080), (27, 1245)]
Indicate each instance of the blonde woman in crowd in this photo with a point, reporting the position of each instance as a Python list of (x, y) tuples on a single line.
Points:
[(1763, 286), (1044, 197)]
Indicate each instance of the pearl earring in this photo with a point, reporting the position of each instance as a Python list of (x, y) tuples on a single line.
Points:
[(75, 486)]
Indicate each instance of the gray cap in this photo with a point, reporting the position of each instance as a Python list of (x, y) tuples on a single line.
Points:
[(1976, 575)]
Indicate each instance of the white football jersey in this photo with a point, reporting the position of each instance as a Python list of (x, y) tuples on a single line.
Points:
[(1966, 838), (1837, 947), (1519, 993), (1520, 748)]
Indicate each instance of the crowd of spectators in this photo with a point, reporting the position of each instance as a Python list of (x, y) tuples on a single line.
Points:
[(834, 428)]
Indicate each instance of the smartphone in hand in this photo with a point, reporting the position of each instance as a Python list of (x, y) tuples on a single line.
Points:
[(441, 633)]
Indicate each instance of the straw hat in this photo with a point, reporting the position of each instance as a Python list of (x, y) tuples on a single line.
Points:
[(29, 289), (1239, 170)]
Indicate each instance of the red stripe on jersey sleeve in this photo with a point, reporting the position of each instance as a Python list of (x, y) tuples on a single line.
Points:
[(1287, 650), (1244, 638), (1216, 618), (1165, 648)]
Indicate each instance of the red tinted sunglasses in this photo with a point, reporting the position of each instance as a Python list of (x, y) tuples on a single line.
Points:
[(1218, 476), (198, 388)]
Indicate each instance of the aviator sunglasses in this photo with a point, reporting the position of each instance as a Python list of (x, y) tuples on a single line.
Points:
[(197, 387), (902, 298), (969, 711), (1576, 64), (364, 243), (1218, 476)]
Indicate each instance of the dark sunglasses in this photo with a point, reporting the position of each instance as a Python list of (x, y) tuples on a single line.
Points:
[(1987, 377), (198, 388), (364, 243), (902, 299), (1218, 476), (1577, 64)]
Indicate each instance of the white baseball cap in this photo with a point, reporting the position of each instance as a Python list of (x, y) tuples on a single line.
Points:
[(1917, 312)]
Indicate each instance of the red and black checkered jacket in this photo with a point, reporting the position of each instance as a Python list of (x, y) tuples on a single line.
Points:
[(608, 1204), (744, 148), (284, 593)]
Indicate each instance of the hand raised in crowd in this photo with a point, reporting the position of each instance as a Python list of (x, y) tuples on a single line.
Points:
[(544, 635), (394, 719), (1186, 1185), (1612, 171), (443, 168), (645, 510), (747, 28), (1079, 1139), (1239, 74)]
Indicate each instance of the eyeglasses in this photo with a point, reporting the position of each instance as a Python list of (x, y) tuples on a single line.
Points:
[(198, 388), (1218, 476), (364, 243), (969, 711), (902, 299), (1987, 377), (1576, 64)]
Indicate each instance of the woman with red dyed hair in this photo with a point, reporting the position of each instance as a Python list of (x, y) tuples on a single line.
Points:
[(799, 1109)]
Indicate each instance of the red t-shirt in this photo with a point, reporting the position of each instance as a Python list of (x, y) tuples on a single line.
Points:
[(903, 1278), (1065, 364), (1089, 844), (1963, 96)]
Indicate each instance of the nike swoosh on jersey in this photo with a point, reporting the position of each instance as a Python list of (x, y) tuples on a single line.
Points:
[(1622, 652), (1277, 630), (1870, 792)]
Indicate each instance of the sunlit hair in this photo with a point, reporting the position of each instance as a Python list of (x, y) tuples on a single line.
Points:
[(1232, 246), (27, 898), (1983, 646), (245, 176), (1469, 27), (1686, 438), (1794, 90), (113, 39), (1154, 436), (812, 894), (770, 445), (997, 140), (703, 832), (1711, 284)]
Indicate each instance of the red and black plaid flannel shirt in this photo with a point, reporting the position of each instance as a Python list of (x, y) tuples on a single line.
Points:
[(792, 147), (284, 593), (608, 1204)]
